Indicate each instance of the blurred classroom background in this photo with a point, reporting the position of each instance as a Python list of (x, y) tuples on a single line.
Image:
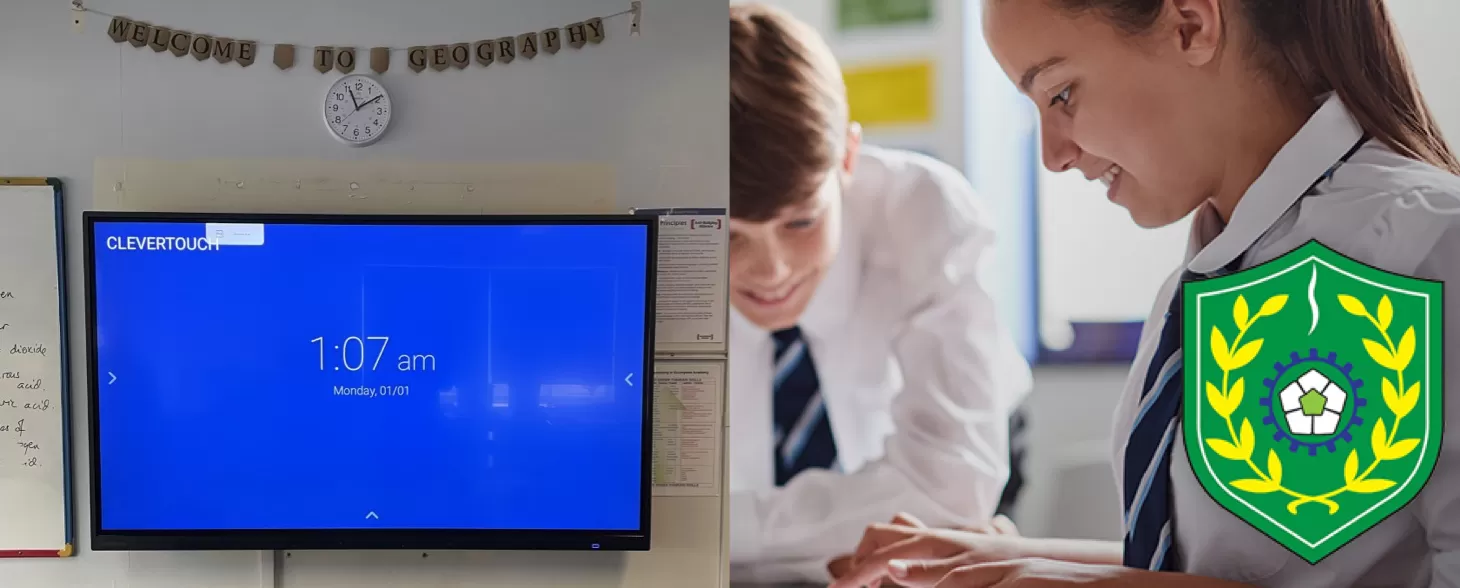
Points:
[(1073, 275)]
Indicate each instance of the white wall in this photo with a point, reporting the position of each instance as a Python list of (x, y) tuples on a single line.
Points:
[(998, 135), (1428, 31), (653, 107)]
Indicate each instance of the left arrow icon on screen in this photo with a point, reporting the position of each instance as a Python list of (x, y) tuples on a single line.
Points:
[(114, 378), (629, 379)]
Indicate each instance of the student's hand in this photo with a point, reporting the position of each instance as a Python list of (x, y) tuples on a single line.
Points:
[(999, 525), (906, 554), (840, 566), (843, 565), (1020, 573)]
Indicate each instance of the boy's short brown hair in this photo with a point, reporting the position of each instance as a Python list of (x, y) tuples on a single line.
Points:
[(788, 112)]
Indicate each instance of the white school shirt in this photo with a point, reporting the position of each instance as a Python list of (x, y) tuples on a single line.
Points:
[(1378, 208), (917, 369)]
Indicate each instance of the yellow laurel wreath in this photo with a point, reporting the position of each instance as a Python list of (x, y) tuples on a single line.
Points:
[(1226, 399)]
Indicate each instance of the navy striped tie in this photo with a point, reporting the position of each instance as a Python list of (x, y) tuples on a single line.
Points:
[(1149, 537), (803, 431), (1150, 540)]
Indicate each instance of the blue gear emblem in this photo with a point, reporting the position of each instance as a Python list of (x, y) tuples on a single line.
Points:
[(1295, 366)]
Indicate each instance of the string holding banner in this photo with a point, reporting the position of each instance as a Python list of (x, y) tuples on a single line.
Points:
[(483, 52)]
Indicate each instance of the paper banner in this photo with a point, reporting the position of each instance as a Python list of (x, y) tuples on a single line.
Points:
[(454, 55)]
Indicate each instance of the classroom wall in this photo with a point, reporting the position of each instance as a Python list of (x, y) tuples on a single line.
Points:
[(938, 41), (652, 108), (1428, 28)]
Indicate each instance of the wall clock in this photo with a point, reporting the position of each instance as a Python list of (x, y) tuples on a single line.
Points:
[(357, 110)]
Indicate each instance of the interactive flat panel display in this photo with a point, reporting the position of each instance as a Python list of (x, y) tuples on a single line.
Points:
[(295, 382)]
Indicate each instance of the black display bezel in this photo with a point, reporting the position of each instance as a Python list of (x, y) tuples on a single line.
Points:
[(308, 539)]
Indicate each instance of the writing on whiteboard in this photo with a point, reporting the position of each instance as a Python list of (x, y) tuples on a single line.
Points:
[(18, 428), (23, 452), (36, 349), (39, 405), (21, 394)]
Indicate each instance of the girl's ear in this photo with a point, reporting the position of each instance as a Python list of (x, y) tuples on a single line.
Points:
[(854, 144), (1198, 28)]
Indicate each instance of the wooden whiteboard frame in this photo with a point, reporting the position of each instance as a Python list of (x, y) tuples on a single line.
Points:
[(68, 549)]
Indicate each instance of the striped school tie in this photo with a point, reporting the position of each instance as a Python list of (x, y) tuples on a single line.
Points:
[(803, 431), (1149, 536), (1150, 541)]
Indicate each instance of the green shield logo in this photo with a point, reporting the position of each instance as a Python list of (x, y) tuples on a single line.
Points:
[(1313, 394)]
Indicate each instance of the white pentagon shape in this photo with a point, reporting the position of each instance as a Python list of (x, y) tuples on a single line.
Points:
[(1299, 424), (1326, 423), (1336, 398), (1290, 396), (1313, 380)]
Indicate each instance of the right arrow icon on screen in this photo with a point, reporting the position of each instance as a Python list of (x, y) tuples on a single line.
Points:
[(114, 378), (629, 379)]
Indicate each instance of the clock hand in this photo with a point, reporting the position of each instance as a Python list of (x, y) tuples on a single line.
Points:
[(370, 101), (352, 98)]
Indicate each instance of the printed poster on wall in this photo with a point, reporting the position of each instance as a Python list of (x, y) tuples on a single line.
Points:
[(688, 421), (864, 14), (890, 94), (691, 292)]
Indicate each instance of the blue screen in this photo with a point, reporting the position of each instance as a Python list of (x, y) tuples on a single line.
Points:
[(360, 376)]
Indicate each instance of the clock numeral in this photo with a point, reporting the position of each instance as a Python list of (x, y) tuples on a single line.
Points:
[(377, 122), (357, 132), (337, 120), (335, 107), (379, 110), (339, 96), (359, 86), (367, 131)]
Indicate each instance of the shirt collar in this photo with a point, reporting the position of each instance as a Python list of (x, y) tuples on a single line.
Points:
[(1327, 135), (1206, 225), (835, 298)]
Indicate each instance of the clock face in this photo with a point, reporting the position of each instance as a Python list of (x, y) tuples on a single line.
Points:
[(357, 110)]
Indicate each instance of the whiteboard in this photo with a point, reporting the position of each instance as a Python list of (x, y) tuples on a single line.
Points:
[(35, 483)]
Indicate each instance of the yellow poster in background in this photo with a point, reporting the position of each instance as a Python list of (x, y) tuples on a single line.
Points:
[(891, 94)]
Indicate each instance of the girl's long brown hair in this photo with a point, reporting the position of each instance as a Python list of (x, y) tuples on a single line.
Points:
[(1349, 47)]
